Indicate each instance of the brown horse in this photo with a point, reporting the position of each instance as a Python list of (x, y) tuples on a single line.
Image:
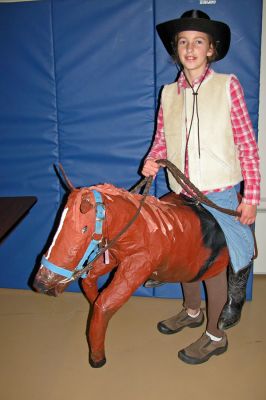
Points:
[(171, 240)]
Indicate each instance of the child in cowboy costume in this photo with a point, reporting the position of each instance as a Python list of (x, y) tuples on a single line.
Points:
[(203, 127)]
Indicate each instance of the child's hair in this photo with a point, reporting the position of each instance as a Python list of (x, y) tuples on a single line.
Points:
[(210, 59)]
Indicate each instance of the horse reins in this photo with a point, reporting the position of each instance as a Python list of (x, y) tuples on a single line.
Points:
[(199, 197), (192, 190), (187, 186)]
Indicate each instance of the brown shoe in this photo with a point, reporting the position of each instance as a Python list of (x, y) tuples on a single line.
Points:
[(180, 321), (201, 350)]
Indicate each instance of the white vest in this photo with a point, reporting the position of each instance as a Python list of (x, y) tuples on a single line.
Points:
[(218, 165)]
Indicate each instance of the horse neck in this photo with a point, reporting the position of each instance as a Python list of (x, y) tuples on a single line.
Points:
[(119, 211)]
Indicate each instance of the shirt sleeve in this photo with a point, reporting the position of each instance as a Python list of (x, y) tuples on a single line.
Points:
[(158, 149), (244, 139)]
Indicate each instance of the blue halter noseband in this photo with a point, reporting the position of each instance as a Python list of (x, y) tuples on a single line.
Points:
[(92, 249)]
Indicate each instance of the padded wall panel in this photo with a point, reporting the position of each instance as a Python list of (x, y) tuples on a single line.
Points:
[(105, 88), (28, 132)]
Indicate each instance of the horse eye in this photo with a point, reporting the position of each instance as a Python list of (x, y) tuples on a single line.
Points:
[(84, 229)]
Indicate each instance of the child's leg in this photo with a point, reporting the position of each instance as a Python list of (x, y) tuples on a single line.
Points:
[(191, 316), (192, 295), (240, 244), (237, 284), (217, 296)]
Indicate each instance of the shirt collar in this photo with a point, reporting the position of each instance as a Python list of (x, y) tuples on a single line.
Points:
[(182, 82)]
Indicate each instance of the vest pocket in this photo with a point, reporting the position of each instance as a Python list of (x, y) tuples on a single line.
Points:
[(211, 159)]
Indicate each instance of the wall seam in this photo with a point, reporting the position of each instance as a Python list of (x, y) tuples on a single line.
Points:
[(56, 97), (154, 76)]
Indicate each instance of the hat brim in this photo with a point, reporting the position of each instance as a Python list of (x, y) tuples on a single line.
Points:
[(218, 30)]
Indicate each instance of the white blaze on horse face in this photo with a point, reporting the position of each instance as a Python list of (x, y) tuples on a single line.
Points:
[(57, 232)]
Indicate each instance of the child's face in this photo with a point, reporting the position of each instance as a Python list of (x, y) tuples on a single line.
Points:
[(193, 49)]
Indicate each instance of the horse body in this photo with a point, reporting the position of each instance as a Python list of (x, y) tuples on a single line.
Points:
[(169, 241)]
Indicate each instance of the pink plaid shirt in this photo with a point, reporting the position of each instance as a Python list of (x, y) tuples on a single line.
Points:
[(244, 139)]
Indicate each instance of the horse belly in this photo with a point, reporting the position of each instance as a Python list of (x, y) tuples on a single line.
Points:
[(189, 259), (181, 267)]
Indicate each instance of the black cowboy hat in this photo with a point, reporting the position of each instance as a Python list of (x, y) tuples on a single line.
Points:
[(195, 20)]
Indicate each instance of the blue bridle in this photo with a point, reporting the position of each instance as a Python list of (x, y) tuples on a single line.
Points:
[(92, 249)]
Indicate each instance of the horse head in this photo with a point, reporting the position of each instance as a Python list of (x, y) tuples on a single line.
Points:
[(77, 235)]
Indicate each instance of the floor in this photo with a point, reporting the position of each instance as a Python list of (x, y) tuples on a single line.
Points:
[(44, 352)]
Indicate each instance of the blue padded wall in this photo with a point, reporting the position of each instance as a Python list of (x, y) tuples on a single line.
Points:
[(78, 85), (28, 132)]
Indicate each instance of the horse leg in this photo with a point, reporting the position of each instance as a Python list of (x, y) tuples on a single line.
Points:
[(127, 279), (90, 289), (89, 284)]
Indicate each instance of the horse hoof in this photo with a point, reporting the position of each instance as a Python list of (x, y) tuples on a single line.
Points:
[(97, 364)]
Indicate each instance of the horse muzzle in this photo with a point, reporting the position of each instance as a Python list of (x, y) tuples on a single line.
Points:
[(42, 288)]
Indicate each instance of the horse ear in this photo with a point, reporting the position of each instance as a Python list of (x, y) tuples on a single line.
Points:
[(85, 205), (70, 186)]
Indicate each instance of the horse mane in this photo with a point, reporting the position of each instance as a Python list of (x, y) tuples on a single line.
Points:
[(162, 207), (109, 189)]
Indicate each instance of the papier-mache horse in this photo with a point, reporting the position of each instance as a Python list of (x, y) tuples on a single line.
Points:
[(171, 240)]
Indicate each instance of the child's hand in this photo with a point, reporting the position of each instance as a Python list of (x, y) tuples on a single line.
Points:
[(248, 213), (150, 168)]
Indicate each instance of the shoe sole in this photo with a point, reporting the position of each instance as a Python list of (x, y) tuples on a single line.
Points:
[(167, 331), (194, 361)]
